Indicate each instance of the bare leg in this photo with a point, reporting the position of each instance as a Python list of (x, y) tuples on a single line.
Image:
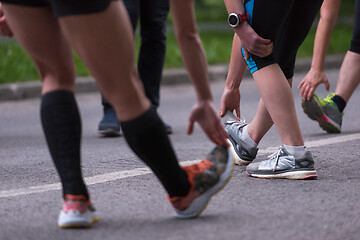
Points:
[(262, 121), (115, 73), (271, 82), (349, 76), (40, 34), (46, 50)]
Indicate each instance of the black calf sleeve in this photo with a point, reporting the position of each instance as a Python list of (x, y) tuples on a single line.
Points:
[(62, 127), (147, 137)]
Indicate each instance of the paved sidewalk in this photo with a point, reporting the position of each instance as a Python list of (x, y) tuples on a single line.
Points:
[(18, 91)]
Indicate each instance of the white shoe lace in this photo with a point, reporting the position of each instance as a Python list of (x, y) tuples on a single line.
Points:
[(275, 155), (236, 124)]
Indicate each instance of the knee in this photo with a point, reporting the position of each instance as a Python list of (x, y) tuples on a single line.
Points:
[(56, 77)]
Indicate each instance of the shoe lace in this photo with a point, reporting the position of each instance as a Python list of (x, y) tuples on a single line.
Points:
[(238, 125), (276, 156), (329, 99)]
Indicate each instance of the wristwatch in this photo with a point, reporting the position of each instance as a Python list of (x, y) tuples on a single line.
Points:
[(235, 19)]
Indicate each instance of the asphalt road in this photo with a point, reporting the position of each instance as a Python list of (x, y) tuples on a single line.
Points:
[(132, 204)]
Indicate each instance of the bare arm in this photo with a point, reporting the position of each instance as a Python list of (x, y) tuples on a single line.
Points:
[(194, 59), (328, 16), (231, 95)]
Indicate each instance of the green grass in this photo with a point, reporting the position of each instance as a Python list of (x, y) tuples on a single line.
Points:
[(339, 42), (15, 65)]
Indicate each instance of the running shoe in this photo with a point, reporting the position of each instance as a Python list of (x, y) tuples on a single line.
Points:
[(168, 128), (77, 212), (325, 111), (282, 164), (109, 125), (241, 152), (206, 179)]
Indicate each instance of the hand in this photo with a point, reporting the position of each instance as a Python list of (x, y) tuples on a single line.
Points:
[(230, 100), (4, 27), (252, 42), (204, 113), (312, 79)]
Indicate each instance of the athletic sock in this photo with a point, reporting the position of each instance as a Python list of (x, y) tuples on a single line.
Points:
[(296, 151), (147, 137), (61, 123), (247, 139), (340, 102)]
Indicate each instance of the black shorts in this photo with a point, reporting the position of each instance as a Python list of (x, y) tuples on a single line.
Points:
[(355, 42), (62, 8), (286, 23)]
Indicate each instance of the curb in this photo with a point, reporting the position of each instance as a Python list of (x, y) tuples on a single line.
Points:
[(19, 91)]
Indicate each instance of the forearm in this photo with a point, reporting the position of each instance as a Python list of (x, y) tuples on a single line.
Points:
[(195, 62), (322, 39), (237, 66), (191, 48), (234, 6), (328, 16), (237, 7)]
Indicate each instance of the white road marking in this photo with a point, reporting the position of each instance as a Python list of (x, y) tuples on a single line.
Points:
[(108, 177)]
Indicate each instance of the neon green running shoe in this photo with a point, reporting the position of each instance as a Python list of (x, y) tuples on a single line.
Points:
[(325, 112)]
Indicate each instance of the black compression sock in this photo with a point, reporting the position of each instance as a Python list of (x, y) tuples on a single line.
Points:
[(62, 127), (147, 137), (340, 102)]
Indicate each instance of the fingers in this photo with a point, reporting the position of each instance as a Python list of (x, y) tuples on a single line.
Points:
[(301, 84), (246, 54), (262, 47), (310, 93), (238, 112), (190, 127), (221, 110), (327, 85), (304, 91), (219, 136)]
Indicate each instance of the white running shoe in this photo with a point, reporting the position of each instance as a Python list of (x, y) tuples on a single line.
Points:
[(77, 212)]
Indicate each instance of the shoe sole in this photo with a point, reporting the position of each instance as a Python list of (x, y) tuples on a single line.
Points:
[(293, 175), (109, 133), (79, 224), (202, 201), (314, 111), (235, 157)]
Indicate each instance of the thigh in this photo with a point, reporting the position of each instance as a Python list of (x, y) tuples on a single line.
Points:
[(108, 52), (294, 32), (40, 35)]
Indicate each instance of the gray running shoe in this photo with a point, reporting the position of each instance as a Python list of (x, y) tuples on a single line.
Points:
[(325, 111), (282, 164), (240, 151)]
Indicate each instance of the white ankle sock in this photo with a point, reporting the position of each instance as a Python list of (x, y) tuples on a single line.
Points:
[(296, 151), (247, 139)]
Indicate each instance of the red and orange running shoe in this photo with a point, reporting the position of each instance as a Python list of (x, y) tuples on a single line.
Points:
[(206, 179), (77, 212)]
